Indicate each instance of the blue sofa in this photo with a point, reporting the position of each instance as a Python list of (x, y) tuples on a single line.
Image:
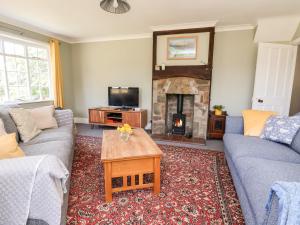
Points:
[(255, 164)]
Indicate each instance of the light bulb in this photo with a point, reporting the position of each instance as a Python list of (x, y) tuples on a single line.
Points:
[(115, 5)]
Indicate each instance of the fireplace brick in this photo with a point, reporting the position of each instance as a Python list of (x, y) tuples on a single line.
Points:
[(196, 88)]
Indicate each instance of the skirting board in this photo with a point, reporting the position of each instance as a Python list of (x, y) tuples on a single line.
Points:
[(81, 120)]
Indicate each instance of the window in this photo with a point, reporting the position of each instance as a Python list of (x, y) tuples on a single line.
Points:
[(24, 71)]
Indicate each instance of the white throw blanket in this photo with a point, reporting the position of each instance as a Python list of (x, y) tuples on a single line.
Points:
[(32, 187)]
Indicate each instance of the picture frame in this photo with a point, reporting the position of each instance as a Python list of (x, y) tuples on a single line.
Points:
[(182, 47)]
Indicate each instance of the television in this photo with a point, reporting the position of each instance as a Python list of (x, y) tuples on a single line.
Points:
[(125, 97)]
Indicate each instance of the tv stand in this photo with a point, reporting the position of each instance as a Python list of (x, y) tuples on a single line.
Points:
[(124, 108), (108, 116)]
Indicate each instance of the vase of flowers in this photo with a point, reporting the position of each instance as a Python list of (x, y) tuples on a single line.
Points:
[(125, 132), (218, 109)]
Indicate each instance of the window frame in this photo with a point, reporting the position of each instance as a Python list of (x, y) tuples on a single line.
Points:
[(26, 43)]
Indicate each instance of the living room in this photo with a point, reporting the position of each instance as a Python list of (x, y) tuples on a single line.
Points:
[(149, 112)]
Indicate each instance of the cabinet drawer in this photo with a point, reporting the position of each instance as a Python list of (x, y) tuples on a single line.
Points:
[(96, 116), (133, 119)]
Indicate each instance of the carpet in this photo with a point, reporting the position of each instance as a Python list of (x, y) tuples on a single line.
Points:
[(196, 188)]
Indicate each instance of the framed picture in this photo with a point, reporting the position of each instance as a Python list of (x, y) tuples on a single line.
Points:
[(182, 48)]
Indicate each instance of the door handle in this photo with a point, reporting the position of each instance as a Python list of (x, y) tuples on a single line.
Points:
[(260, 100)]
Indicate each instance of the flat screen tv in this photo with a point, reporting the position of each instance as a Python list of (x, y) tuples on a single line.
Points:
[(125, 97)]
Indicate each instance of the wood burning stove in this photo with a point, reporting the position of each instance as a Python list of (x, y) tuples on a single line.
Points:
[(179, 119)]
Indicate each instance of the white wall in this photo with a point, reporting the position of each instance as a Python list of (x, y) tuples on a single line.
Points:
[(233, 70), (95, 66), (202, 46), (295, 101), (66, 64)]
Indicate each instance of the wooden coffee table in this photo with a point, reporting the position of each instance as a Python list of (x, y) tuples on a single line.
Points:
[(135, 157)]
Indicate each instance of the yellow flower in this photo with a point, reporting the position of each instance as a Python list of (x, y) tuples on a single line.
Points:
[(127, 126)]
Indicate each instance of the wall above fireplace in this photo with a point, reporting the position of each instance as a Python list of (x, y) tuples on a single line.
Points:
[(200, 68)]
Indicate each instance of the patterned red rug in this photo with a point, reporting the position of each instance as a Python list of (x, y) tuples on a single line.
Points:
[(196, 188)]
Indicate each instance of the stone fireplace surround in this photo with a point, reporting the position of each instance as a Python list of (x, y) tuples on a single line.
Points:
[(164, 89)]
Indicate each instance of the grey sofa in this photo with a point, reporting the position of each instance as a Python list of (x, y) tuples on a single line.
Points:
[(58, 142), (255, 164)]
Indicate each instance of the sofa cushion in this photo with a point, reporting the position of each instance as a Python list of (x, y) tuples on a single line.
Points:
[(296, 142), (61, 149), (2, 128), (254, 121), (238, 146), (26, 125), (258, 175), (9, 124), (60, 133), (282, 129), (44, 117), (9, 147)]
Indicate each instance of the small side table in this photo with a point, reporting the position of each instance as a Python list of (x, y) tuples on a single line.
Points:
[(216, 125)]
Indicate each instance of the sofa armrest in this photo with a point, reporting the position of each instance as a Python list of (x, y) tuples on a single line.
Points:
[(234, 125), (64, 117)]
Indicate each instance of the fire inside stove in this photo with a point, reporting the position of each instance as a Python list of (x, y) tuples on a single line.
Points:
[(178, 122)]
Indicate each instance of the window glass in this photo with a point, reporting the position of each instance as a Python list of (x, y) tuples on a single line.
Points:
[(24, 71), (2, 80), (32, 52)]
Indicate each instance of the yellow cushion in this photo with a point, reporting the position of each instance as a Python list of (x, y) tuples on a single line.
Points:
[(254, 121), (9, 147)]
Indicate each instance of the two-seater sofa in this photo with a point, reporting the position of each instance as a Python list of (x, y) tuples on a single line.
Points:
[(57, 141), (255, 164)]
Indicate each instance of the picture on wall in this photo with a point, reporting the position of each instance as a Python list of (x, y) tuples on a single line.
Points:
[(182, 48)]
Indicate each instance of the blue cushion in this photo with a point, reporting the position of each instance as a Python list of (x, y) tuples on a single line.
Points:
[(243, 146), (258, 175), (296, 142), (281, 129)]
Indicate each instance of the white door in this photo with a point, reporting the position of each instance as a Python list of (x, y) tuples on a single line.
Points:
[(274, 77)]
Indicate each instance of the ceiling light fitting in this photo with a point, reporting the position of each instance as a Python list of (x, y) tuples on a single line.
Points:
[(115, 6)]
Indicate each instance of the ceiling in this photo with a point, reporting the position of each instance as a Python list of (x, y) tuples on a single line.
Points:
[(84, 20)]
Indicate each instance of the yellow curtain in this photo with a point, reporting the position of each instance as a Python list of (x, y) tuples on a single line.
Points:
[(57, 73)]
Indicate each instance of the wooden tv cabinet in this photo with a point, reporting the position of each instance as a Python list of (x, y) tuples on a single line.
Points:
[(108, 116)]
